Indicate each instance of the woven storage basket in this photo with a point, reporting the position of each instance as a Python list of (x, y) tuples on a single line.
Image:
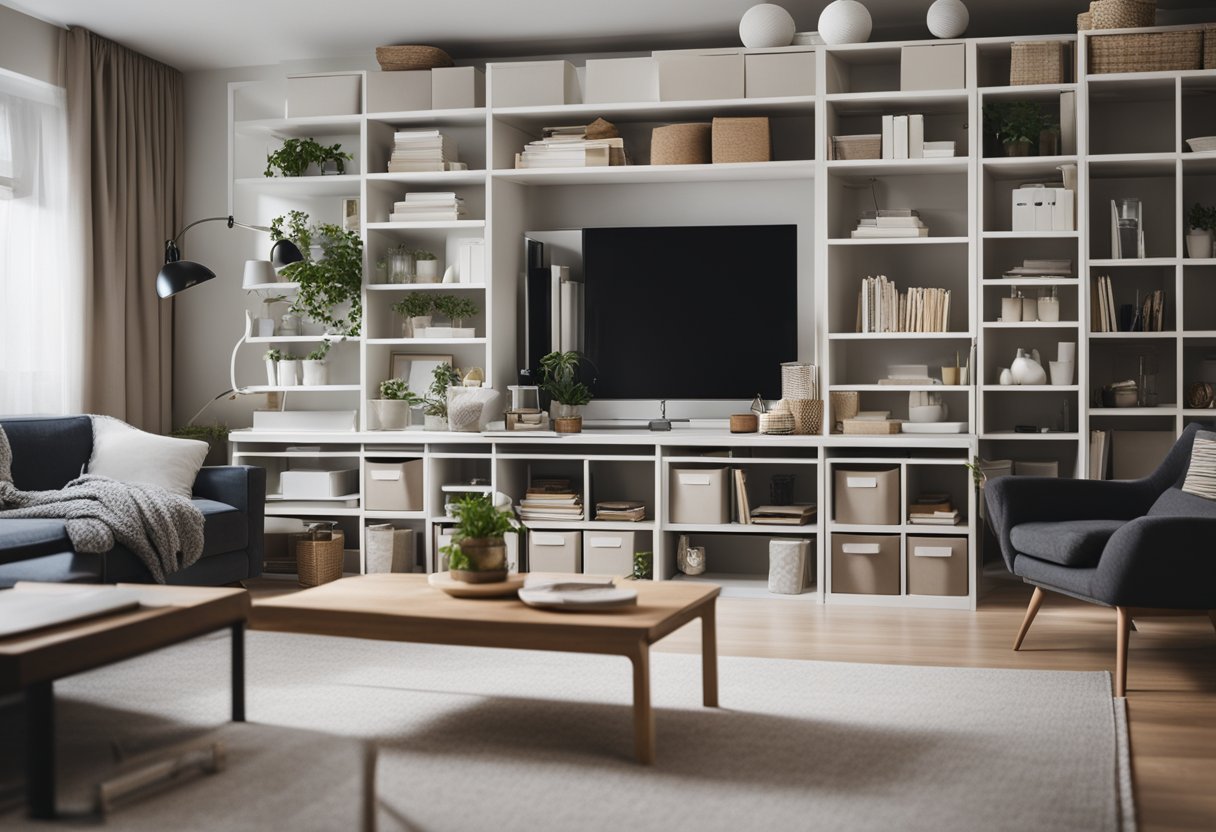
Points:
[(857, 147), (844, 406), (868, 427), (779, 422), (680, 144), (1209, 47), (1085, 21), (1147, 52), (808, 415), (743, 139), (1036, 62), (1123, 14), (319, 556), (394, 58), (798, 381)]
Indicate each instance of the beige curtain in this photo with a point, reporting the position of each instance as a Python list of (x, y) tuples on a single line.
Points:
[(125, 129)]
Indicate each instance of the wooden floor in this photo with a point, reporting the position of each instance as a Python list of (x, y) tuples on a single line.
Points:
[(1171, 677)]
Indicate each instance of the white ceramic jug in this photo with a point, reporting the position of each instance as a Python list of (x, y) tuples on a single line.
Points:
[(1026, 370)]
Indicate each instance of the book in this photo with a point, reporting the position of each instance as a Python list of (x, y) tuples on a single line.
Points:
[(916, 136), (620, 510), (888, 137), (795, 515), (900, 132), (743, 510)]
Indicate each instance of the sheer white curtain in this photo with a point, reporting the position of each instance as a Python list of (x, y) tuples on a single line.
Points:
[(41, 283)]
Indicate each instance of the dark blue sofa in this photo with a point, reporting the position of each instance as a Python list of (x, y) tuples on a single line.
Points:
[(50, 452)]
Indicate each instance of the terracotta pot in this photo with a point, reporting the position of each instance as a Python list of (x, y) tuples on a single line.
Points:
[(568, 424), (487, 560)]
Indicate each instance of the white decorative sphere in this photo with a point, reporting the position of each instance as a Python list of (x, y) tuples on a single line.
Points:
[(766, 26), (845, 21), (948, 18)]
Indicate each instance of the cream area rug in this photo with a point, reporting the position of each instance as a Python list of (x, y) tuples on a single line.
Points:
[(475, 739)]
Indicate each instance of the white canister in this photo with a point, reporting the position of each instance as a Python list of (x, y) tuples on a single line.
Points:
[(1061, 372), (1049, 309), (1066, 351), (1011, 310), (289, 369), (1030, 309)]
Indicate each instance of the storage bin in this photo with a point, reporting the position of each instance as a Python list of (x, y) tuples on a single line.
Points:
[(393, 485), (621, 79), (937, 565), (867, 497), (684, 77), (933, 67), (389, 549), (319, 555), (865, 564), (788, 566), (533, 84), (778, 73), (699, 496), (324, 95), (457, 88), (1146, 52), (318, 485), (1123, 14), (861, 146), (681, 144), (554, 551), (740, 140), (1209, 47), (395, 92), (608, 553), (1036, 62)]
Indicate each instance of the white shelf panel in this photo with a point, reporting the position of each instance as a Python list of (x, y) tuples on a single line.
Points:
[(395, 515), (1031, 235), (1133, 336), (745, 586), (1030, 281), (898, 167), (424, 342), (1031, 388), (742, 528), (1132, 263), (467, 489), (898, 336), (1194, 261), (1001, 436), (591, 525), (354, 454), (279, 498), (1207, 413), (885, 101), (902, 528), (460, 116), (646, 111), (422, 287), (439, 225), (899, 388), (283, 510), (277, 286), (1027, 92), (300, 339), (308, 127), (1031, 324), (1159, 410), (430, 177), (346, 184), (642, 174), (741, 461), (301, 388), (899, 241)]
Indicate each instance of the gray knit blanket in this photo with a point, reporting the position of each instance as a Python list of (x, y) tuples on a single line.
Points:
[(164, 530)]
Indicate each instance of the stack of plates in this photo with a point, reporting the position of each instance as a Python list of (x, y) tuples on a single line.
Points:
[(560, 592)]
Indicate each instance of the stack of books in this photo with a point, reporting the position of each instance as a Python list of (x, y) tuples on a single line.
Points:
[(428, 207), (795, 515), (1099, 454), (1147, 315), (1041, 268), (883, 308), (551, 498), (628, 511), (903, 137), (423, 150), (569, 147), (933, 510), (890, 222)]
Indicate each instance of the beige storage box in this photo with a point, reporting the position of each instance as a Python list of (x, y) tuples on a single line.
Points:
[(741, 140), (457, 88), (685, 77), (621, 80), (681, 144), (933, 67), (699, 496), (608, 553), (555, 551), (393, 485), (865, 564), (395, 92), (533, 84), (318, 485), (324, 95), (937, 565), (779, 73), (866, 498)]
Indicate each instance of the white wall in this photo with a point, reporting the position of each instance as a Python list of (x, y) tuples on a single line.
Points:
[(29, 46)]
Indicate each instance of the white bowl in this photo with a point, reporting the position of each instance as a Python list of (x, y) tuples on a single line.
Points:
[(927, 413), (1202, 144)]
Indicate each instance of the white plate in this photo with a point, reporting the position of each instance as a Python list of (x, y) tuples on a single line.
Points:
[(935, 427), (579, 599), (1202, 144)]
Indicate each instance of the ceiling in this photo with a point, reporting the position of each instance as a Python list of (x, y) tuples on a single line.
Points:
[(212, 34)]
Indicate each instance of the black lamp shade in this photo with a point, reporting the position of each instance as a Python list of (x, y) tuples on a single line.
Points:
[(284, 253), (181, 275)]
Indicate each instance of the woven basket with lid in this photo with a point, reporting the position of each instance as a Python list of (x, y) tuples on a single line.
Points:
[(396, 58), (1123, 14)]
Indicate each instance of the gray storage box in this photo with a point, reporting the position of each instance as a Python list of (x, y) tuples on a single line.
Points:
[(395, 92), (933, 67), (699, 496), (779, 73), (866, 497), (937, 565), (318, 485), (621, 79), (457, 88), (554, 551), (338, 94), (608, 553), (533, 84), (684, 77), (865, 564), (393, 485)]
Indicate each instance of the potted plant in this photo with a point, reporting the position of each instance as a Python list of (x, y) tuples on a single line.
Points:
[(478, 551), (296, 156), (315, 369), (415, 311), (435, 403), (558, 371), (393, 406), (456, 309), (272, 358), (1201, 220), (330, 281), (427, 266), (289, 370), (1018, 125)]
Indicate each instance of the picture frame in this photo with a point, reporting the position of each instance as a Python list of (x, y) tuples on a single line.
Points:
[(350, 214), (416, 368)]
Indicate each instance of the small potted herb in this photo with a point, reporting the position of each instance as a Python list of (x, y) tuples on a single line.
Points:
[(435, 403), (478, 551), (1018, 125), (1201, 220), (272, 358), (426, 265), (330, 275), (296, 156), (456, 309), (558, 379), (289, 370), (316, 371), (415, 311), (393, 407)]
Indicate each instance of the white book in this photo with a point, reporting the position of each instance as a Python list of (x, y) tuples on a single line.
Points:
[(431, 196), (1068, 123), (916, 136), (888, 137), (900, 132)]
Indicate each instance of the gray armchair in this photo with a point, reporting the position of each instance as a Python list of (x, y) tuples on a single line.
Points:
[(1139, 546)]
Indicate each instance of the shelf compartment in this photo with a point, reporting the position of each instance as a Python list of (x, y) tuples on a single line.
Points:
[(1159, 198), (731, 553), (1146, 102)]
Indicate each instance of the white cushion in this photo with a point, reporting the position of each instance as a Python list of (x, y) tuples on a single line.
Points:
[(128, 454), (1201, 474)]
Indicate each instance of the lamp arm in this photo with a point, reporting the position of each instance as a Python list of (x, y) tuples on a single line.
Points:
[(228, 219)]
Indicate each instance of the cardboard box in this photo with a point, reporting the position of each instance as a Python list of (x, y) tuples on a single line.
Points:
[(621, 80), (608, 553), (691, 77), (554, 551), (741, 140), (457, 88), (533, 84), (396, 92), (778, 73), (393, 485), (933, 67), (699, 496), (339, 94), (318, 485)]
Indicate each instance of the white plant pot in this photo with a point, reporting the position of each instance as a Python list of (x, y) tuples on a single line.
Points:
[(316, 373), (272, 372), (417, 326), (1062, 372), (290, 325), (428, 271), (392, 414), (289, 373), (435, 422), (263, 327), (1199, 245)]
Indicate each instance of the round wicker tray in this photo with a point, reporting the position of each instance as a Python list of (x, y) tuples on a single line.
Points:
[(395, 58)]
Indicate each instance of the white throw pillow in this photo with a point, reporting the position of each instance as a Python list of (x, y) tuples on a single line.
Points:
[(1201, 474), (129, 454)]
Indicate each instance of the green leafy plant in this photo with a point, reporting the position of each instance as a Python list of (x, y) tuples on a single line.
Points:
[(273, 354), (415, 305), (455, 309), (558, 370), (295, 156), (396, 389), (477, 518), (327, 283), (435, 403), (420, 254), (1202, 217), (1017, 121), (319, 353), (643, 566), (205, 433)]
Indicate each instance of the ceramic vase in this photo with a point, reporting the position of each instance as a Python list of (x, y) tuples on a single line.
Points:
[(316, 373), (1005, 377), (428, 271), (1199, 245), (272, 372), (289, 372), (1025, 370), (392, 414), (766, 26)]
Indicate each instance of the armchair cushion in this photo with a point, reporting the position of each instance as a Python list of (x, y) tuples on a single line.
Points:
[(1074, 543), (1174, 502)]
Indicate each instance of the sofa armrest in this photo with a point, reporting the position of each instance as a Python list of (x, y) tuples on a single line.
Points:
[(243, 487), (1157, 561)]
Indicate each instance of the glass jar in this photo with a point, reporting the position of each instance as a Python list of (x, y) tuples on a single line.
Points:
[(400, 266)]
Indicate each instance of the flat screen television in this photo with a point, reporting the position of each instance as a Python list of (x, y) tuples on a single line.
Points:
[(697, 312)]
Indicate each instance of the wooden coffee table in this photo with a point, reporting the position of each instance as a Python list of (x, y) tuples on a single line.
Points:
[(31, 662), (400, 607)]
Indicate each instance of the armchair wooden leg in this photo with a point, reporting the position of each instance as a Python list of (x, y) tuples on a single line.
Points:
[(1122, 635), (1212, 616), (1036, 601)]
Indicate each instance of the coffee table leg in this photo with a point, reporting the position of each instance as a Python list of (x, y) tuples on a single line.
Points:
[(40, 750), (643, 716), (709, 655), (238, 672)]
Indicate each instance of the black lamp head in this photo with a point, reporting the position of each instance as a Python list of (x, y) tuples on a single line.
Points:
[(283, 253), (177, 274)]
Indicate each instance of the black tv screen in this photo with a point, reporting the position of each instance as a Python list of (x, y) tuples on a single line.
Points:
[(706, 312)]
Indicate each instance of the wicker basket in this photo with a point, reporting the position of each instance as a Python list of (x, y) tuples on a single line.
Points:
[(844, 406), (1146, 52), (319, 553), (871, 427), (868, 146), (395, 58), (798, 381), (1209, 47), (1036, 62), (1085, 21), (808, 415), (1123, 14), (779, 422)]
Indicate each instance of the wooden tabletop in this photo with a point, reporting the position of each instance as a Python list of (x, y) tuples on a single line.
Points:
[(166, 615)]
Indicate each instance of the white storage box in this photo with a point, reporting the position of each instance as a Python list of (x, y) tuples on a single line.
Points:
[(389, 549), (685, 77), (608, 553), (939, 66), (1044, 209), (457, 88), (318, 485), (779, 73), (338, 94), (533, 84), (395, 92), (700, 496), (327, 420), (621, 79), (554, 551), (788, 561), (393, 485)]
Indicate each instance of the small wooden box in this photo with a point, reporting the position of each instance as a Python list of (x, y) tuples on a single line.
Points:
[(741, 140)]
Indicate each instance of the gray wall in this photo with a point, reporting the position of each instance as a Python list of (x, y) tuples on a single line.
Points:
[(29, 46)]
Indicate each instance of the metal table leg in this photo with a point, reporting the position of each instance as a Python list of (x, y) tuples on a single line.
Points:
[(40, 749), (238, 672)]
